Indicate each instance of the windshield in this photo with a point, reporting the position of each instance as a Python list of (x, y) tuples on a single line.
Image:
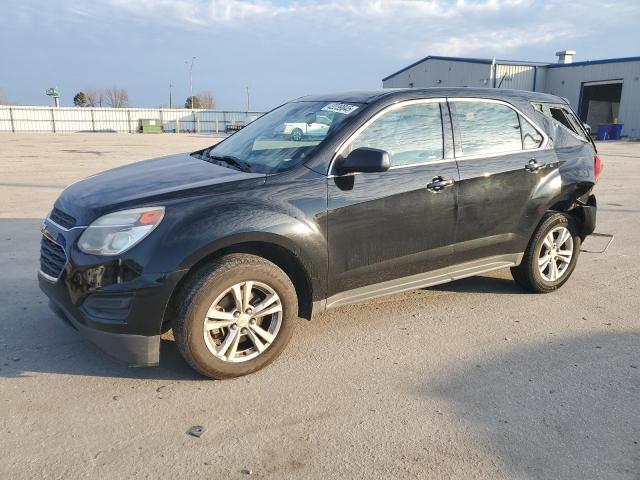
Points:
[(283, 137)]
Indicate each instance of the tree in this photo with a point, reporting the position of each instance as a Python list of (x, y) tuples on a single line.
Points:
[(80, 100), (94, 97), (192, 102), (116, 97), (206, 100), (202, 100)]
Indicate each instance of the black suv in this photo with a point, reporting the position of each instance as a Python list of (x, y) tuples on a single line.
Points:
[(404, 189)]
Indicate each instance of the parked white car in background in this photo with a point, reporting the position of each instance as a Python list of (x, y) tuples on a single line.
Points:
[(299, 131)]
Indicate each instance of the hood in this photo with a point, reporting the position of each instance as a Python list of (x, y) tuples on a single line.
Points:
[(143, 182)]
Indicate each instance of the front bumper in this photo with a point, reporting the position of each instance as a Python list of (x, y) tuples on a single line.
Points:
[(122, 321), (112, 301), (135, 350)]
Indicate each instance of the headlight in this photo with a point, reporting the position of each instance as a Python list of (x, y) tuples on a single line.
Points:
[(117, 232)]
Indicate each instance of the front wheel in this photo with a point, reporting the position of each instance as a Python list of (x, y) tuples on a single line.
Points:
[(551, 255), (296, 135), (236, 316)]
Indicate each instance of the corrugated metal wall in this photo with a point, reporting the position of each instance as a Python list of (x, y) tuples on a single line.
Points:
[(567, 82), (73, 119), (442, 73), (451, 73), (540, 79), (516, 77)]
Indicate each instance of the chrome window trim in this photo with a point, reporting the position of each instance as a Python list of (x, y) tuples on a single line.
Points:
[(379, 114), (545, 137), (343, 145)]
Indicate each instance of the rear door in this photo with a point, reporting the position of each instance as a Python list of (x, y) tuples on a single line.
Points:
[(383, 226), (503, 163)]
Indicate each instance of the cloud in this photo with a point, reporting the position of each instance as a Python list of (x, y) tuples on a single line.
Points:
[(509, 39), (283, 48), (405, 27), (420, 26), (212, 12)]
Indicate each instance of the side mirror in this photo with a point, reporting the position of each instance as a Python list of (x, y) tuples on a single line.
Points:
[(366, 160)]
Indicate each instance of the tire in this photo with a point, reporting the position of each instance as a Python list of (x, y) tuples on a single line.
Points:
[(296, 135), (532, 274), (212, 297)]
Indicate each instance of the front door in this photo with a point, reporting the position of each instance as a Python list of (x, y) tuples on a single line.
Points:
[(383, 226), (503, 164)]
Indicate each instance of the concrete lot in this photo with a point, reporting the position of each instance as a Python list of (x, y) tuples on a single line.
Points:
[(475, 379)]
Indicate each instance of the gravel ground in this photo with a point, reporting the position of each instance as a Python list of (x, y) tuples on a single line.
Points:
[(474, 379)]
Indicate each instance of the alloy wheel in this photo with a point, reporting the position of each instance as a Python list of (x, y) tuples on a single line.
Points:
[(243, 321), (296, 135), (555, 254)]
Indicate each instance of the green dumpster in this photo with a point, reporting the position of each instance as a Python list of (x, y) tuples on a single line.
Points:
[(150, 125)]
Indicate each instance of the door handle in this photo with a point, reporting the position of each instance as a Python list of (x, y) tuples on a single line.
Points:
[(439, 183), (533, 166)]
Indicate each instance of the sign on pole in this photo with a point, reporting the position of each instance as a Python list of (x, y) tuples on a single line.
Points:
[(55, 93)]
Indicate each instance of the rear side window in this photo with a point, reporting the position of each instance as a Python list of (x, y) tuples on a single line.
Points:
[(410, 134), (564, 116), (558, 115), (491, 128)]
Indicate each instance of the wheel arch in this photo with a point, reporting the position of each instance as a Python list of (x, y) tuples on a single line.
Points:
[(584, 213), (282, 256)]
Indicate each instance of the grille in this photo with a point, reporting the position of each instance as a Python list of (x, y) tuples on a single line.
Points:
[(52, 257), (63, 219)]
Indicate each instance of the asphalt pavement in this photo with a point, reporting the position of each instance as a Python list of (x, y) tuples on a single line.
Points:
[(473, 379)]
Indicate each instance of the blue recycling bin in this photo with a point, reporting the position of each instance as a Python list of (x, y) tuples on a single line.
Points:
[(603, 132), (615, 131)]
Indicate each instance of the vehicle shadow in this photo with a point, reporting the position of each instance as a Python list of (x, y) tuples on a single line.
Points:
[(499, 282), (567, 408), (76, 356)]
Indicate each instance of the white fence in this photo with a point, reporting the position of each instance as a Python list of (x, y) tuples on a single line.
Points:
[(75, 119)]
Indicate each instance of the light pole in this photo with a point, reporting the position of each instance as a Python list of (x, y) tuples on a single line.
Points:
[(193, 59), (248, 103), (170, 99)]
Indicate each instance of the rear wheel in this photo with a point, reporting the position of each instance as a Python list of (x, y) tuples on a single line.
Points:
[(236, 316), (551, 255)]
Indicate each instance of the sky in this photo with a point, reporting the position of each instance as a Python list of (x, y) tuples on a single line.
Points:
[(282, 49)]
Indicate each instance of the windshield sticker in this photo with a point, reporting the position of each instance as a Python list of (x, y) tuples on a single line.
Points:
[(337, 107)]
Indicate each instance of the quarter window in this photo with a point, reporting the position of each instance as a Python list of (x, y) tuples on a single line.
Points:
[(410, 134), (565, 117)]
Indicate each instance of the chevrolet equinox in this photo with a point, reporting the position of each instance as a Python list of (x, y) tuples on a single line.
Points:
[(404, 189)]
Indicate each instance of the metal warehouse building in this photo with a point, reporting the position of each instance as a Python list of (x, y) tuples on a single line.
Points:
[(601, 91)]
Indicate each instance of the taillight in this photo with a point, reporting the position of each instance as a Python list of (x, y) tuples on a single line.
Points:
[(597, 167)]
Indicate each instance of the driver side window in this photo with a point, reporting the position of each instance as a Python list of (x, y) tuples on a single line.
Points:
[(409, 134)]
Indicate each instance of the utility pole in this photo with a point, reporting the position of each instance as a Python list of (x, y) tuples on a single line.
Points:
[(170, 100), (193, 59), (248, 103)]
